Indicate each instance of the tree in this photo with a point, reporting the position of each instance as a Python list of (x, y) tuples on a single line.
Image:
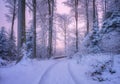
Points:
[(64, 21), (21, 24), (50, 38), (34, 28), (87, 15), (74, 8), (94, 36), (3, 44), (76, 20), (12, 6), (7, 47), (105, 6)]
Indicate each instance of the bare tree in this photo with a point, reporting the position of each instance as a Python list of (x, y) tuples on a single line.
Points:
[(64, 21)]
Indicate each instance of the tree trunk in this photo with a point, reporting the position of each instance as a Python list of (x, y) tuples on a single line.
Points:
[(105, 7), (13, 20), (76, 20), (51, 12), (87, 17), (34, 28), (21, 23), (65, 37), (94, 13)]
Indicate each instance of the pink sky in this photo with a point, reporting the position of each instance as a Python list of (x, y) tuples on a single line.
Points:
[(3, 11), (61, 8)]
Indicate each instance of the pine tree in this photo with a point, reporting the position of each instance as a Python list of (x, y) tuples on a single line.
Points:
[(94, 36), (3, 44), (7, 46)]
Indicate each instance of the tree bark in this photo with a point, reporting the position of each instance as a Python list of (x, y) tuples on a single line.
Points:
[(76, 20), (87, 17), (94, 13), (105, 6), (50, 42), (21, 23), (13, 20), (34, 28)]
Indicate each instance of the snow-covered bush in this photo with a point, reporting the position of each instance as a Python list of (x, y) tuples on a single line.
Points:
[(71, 50), (3, 62), (23, 54), (100, 69), (100, 66)]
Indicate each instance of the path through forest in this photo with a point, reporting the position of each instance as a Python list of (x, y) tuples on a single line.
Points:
[(60, 73)]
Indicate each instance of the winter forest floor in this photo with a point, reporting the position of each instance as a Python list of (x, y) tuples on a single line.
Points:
[(79, 70)]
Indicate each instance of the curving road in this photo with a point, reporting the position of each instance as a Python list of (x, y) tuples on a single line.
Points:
[(59, 73)]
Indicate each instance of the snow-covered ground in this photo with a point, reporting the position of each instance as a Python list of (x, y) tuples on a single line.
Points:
[(78, 70)]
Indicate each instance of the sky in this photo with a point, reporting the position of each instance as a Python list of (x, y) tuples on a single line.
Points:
[(61, 9), (3, 11)]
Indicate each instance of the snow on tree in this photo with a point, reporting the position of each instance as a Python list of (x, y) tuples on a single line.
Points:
[(7, 47), (3, 44), (94, 37), (29, 43), (110, 33), (74, 5)]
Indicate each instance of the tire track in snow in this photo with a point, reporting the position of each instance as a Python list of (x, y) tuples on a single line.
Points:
[(47, 71), (72, 75), (67, 73)]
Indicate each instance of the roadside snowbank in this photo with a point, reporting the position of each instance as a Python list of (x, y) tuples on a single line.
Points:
[(28, 72), (96, 69)]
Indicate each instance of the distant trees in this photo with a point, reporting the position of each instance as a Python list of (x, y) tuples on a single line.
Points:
[(42, 29), (64, 21), (74, 7)]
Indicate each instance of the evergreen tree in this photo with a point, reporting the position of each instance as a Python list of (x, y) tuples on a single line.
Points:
[(7, 46), (3, 44), (95, 36)]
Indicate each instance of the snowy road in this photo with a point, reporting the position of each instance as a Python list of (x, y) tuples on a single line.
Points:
[(59, 73)]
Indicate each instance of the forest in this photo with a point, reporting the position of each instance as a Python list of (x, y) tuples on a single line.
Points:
[(60, 41)]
